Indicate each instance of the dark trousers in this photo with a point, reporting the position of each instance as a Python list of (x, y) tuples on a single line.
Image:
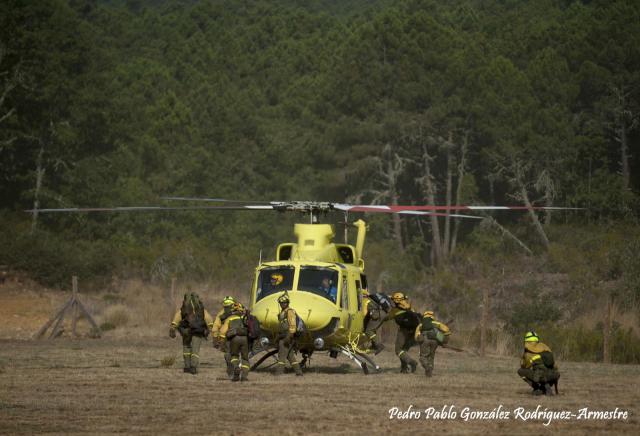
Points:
[(427, 355), (404, 342), (239, 351), (191, 350)]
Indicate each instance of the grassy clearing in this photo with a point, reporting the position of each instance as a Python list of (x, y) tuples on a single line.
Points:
[(70, 386)]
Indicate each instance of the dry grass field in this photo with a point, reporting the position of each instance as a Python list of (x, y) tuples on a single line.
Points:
[(121, 386), (131, 381)]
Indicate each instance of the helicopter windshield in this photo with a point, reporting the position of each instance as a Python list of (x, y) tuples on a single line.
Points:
[(272, 280), (319, 281)]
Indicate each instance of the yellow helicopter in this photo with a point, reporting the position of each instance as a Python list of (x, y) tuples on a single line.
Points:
[(325, 281)]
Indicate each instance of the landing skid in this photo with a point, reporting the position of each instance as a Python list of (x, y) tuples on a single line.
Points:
[(263, 358), (361, 359)]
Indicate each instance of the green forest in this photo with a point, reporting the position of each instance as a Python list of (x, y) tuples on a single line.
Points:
[(405, 102)]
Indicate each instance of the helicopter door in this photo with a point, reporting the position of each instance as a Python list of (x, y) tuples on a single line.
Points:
[(357, 317), (344, 301)]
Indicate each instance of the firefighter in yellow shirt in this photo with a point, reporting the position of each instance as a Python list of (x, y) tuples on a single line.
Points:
[(235, 331), (372, 307), (407, 321), (288, 320), (538, 367), (429, 334), (193, 322), (218, 340)]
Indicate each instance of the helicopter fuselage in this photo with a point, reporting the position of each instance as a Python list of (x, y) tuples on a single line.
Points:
[(324, 282)]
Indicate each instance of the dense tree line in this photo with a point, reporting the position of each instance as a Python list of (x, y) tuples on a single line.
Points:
[(119, 103)]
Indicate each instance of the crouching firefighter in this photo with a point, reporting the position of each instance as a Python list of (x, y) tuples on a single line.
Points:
[(537, 367), (429, 334), (290, 330), (193, 322), (236, 333), (407, 321), (218, 339)]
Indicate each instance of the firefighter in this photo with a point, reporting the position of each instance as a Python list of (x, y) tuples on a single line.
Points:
[(193, 322), (407, 321), (537, 367), (219, 340), (429, 334), (373, 306), (287, 337), (235, 331)]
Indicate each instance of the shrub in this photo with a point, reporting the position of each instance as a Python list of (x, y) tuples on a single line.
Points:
[(168, 361), (106, 326), (117, 315)]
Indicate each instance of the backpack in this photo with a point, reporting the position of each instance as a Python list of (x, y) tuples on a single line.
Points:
[(253, 326), (382, 300), (440, 333), (192, 312), (408, 320), (547, 359), (301, 327)]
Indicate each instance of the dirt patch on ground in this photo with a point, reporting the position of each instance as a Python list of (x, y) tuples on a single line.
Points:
[(24, 308), (120, 386), (144, 309)]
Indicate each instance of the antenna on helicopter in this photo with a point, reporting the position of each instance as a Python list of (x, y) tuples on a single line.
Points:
[(346, 226)]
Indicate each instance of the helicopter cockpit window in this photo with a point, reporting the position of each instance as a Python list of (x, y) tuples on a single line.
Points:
[(319, 281), (273, 280)]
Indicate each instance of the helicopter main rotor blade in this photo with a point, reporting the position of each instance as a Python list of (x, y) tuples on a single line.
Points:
[(151, 208), (218, 200), (422, 213), (398, 209), (387, 209)]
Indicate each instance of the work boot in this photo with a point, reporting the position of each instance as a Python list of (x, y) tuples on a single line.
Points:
[(279, 369), (413, 364), (428, 372), (377, 348), (404, 368), (187, 370), (548, 390), (297, 369), (236, 375), (537, 392), (230, 369), (194, 370), (244, 374)]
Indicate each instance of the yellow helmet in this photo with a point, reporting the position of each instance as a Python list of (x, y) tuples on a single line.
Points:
[(531, 337), (277, 277), (428, 314), (228, 301), (284, 298), (398, 297)]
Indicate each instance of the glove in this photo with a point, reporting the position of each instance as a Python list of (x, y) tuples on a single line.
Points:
[(172, 332), (218, 341)]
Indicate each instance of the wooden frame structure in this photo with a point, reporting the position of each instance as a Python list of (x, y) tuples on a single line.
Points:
[(77, 310)]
